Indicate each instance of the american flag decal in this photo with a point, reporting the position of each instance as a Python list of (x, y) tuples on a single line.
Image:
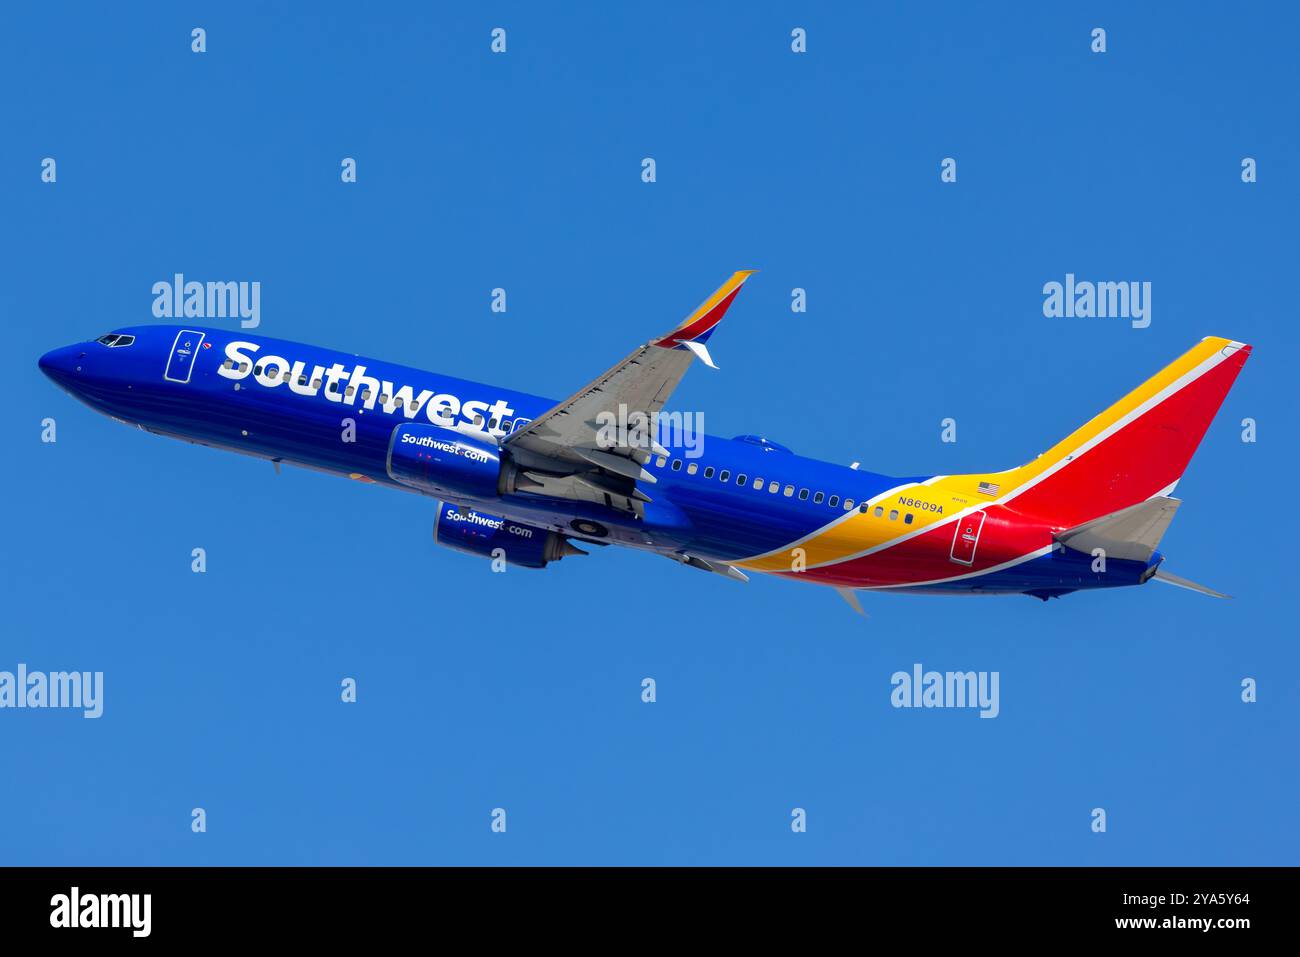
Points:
[(988, 488)]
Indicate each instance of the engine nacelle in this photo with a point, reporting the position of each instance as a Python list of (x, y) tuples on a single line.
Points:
[(472, 531), (443, 462)]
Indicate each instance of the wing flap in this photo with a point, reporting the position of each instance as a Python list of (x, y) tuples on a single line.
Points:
[(568, 437)]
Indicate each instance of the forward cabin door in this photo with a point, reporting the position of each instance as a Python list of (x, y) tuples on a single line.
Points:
[(180, 364)]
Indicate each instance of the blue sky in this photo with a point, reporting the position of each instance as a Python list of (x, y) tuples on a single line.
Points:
[(522, 171)]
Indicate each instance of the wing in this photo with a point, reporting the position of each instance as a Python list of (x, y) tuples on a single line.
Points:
[(568, 451)]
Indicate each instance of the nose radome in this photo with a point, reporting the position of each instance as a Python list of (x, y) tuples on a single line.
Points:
[(49, 362), (61, 364)]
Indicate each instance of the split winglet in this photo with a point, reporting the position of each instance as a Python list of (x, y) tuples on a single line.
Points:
[(695, 330)]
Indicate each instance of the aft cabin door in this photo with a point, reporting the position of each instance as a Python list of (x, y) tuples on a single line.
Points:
[(966, 538), (181, 361)]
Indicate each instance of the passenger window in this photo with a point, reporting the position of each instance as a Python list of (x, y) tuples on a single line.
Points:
[(257, 370), (819, 498), (789, 491), (506, 424), (677, 465), (835, 500), (724, 476), (383, 400), (758, 484), (742, 478), (774, 487), (349, 390), (893, 514), (708, 472), (365, 395), (863, 508), (397, 403), (315, 383), (243, 367), (692, 468), (660, 462), (803, 495), (907, 519), (848, 505), (879, 511), (284, 375), (228, 364)]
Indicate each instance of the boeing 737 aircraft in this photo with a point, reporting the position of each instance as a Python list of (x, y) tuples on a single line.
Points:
[(521, 477)]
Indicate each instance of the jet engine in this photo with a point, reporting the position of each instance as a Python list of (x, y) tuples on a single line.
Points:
[(457, 462), (475, 532), (440, 461)]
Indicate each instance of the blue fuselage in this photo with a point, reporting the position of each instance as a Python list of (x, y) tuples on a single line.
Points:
[(335, 411), (304, 425)]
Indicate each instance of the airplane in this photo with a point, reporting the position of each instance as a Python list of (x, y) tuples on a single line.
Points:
[(521, 478)]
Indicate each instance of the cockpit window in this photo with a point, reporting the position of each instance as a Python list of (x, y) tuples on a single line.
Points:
[(115, 341)]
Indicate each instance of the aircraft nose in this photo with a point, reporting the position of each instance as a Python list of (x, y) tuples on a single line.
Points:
[(62, 365)]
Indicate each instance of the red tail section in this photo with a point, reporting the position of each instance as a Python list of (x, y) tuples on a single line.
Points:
[(1137, 448)]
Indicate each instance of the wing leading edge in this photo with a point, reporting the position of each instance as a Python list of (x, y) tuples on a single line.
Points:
[(567, 450)]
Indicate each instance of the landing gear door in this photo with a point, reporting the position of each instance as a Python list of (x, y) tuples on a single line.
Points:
[(966, 538), (181, 361)]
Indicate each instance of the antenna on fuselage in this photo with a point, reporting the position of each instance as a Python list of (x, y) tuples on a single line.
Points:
[(850, 596)]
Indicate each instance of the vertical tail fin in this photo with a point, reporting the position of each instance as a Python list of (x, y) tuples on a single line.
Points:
[(1137, 448)]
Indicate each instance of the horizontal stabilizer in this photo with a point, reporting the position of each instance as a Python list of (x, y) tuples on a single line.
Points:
[(1131, 533), (1170, 578)]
